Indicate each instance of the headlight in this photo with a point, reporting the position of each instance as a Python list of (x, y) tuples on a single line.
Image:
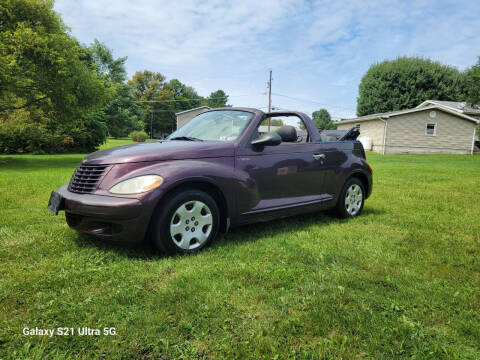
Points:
[(137, 185)]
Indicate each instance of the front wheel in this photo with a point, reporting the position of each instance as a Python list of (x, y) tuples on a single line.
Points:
[(186, 222), (351, 200)]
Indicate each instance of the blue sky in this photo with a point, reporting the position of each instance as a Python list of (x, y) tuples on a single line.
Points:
[(318, 50)]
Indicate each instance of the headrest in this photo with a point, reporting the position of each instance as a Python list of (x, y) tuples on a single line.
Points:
[(287, 133)]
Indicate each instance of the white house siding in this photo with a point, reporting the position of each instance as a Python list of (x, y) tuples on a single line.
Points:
[(371, 128), (406, 133), (185, 117)]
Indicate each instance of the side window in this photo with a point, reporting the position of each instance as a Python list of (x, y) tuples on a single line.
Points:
[(276, 122), (431, 129)]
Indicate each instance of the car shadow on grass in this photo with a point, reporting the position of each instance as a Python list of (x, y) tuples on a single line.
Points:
[(235, 237), (273, 228), (41, 162), (144, 250)]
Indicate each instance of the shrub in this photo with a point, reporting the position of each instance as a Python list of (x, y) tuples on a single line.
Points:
[(28, 138), (138, 136), (77, 136)]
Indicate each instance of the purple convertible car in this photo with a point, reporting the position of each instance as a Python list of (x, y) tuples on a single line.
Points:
[(217, 171)]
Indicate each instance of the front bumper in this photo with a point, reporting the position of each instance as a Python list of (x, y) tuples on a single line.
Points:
[(116, 218)]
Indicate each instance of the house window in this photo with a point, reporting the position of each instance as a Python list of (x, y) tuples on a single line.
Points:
[(431, 129), (357, 126)]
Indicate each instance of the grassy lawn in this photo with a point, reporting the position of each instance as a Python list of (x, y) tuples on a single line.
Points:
[(400, 281), (117, 142)]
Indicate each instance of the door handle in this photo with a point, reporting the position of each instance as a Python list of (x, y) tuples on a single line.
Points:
[(319, 156)]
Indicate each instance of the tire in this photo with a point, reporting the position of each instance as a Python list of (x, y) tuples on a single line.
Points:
[(351, 199), (185, 222)]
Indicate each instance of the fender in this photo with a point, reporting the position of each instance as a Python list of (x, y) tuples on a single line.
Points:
[(219, 172)]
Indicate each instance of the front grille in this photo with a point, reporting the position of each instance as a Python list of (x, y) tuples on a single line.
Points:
[(87, 177)]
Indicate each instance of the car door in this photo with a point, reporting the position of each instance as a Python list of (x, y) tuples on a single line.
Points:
[(286, 175)]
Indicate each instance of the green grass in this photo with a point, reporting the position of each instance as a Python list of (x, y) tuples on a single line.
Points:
[(117, 142), (400, 281)]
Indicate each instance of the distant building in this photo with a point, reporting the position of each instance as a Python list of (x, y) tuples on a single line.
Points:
[(184, 117), (263, 129), (432, 127)]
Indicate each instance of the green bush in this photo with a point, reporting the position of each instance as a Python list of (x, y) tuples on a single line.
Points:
[(28, 139), (138, 136), (77, 136)]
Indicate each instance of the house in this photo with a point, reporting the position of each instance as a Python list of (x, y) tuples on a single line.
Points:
[(184, 117), (458, 106), (432, 127)]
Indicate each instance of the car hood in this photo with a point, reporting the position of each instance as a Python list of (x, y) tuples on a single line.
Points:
[(160, 151)]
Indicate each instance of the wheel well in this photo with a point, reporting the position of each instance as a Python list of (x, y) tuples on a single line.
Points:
[(211, 190), (363, 179)]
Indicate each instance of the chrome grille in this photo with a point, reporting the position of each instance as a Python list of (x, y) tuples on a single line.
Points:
[(87, 177)]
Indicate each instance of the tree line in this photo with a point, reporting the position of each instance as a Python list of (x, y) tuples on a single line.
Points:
[(57, 95)]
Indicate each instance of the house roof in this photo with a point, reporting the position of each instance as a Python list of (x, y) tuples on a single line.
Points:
[(390, 114), (197, 108), (460, 106)]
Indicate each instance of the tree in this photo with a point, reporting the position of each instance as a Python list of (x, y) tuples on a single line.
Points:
[(41, 65), (161, 99), (405, 83), (122, 113), (276, 122), (112, 70), (472, 84), (185, 96), (45, 83), (156, 97), (217, 99), (323, 120)]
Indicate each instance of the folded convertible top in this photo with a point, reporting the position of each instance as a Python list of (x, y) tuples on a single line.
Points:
[(340, 135)]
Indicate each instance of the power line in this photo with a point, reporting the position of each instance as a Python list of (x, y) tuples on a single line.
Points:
[(192, 99), (314, 102)]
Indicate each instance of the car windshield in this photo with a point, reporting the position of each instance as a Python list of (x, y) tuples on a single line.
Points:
[(222, 125)]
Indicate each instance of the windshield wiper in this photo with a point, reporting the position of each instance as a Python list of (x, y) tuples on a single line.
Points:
[(187, 138)]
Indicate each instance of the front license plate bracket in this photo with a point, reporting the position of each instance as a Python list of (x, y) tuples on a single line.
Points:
[(56, 203)]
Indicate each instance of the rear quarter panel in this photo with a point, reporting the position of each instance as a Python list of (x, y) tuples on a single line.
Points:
[(344, 159)]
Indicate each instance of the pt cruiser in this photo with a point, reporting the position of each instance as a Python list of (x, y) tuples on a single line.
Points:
[(215, 172)]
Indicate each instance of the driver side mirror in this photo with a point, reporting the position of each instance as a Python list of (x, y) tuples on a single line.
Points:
[(270, 139)]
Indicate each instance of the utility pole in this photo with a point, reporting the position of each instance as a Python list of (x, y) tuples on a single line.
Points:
[(269, 98)]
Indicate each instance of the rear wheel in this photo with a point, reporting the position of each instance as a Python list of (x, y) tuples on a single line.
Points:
[(186, 222), (351, 200)]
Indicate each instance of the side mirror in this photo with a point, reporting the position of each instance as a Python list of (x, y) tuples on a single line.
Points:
[(270, 139)]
